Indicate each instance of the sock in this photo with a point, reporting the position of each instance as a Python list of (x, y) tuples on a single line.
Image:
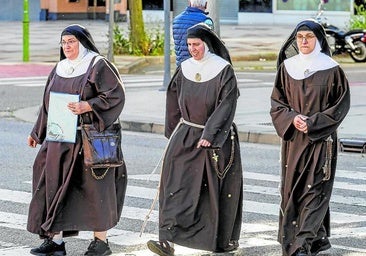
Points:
[(58, 238), (171, 244)]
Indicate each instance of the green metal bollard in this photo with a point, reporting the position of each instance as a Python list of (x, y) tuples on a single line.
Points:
[(25, 31)]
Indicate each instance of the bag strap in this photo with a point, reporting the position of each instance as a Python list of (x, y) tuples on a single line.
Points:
[(85, 79)]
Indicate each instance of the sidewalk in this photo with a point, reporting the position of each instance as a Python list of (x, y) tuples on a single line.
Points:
[(253, 48)]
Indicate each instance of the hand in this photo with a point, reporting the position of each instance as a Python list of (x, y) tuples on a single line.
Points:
[(203, 143), (78, 108), (31, 142), (300, 123)]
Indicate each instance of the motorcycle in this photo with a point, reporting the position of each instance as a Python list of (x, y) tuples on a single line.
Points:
[(352, 42)]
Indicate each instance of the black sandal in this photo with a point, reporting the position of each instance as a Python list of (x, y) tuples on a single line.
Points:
[(161, 248)]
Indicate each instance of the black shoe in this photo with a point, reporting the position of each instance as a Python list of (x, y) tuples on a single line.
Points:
[(49, 248), (161, 248), (98, 248), (320, 245)]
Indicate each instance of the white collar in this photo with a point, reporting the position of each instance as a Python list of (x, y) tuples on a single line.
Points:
[(204, 69), (302, 65), (73, 68)]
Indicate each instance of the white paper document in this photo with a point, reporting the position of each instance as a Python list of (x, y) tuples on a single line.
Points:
[(61, 122)]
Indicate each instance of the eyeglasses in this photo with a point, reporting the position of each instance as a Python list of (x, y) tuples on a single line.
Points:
[(69, 42), (307, 37)]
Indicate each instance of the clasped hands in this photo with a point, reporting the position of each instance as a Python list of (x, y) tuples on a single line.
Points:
[(300, 123)]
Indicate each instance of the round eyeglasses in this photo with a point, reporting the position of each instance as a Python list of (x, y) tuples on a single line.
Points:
[(307, 37), (69, 42)]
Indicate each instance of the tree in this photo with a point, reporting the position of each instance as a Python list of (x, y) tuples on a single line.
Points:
[(138, 37)]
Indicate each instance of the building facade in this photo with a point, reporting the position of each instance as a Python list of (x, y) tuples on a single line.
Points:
[(338, 12), (42, 10), (230, 11), (81, 9)]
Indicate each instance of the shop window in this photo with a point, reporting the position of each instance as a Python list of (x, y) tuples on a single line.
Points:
[(152, 5), (155, 4), (301, 5), (96, 2), (255, 5)]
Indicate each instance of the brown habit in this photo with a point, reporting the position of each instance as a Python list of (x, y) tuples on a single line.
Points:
[(196, 208), (308, 161), (65, 195)]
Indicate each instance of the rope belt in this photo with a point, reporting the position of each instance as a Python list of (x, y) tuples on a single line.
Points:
[(327, 168), (160, 163), (215, 152), (181, 121), (214, 156), (191, 124)]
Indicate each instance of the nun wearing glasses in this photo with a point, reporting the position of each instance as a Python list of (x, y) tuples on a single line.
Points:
[(66, 197), (309, 101)]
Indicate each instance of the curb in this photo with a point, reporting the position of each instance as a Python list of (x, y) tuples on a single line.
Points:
[(244, 136), (151, 127), (133, 67), (139, 63), (136, 126), (260, 61), (251, 62)]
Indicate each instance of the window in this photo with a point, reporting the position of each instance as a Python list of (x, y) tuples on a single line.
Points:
[(255, 6), (155, 4), (301, 5), (97, 2)]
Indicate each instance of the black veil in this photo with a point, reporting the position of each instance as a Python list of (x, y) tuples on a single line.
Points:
[(82, 34), (289, 48), (213, 41)]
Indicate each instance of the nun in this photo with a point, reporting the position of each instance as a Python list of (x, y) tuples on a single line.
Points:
[(309, 101), (200, 196), (66, 197)]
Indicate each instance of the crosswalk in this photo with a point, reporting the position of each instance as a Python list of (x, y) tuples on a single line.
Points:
[(128, 80), (261, 200), (38, 81), (254, 234)]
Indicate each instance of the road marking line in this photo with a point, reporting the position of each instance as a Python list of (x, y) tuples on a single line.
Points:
[(140, 213)]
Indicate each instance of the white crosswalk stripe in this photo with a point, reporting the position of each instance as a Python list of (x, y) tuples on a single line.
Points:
[(254, 234), (128, 80), (10, 249), (24, 81)]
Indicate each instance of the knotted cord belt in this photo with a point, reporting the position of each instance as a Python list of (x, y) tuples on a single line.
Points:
[(191, 124), (215, 156), (221, 175), (327, 168), (181, 121)]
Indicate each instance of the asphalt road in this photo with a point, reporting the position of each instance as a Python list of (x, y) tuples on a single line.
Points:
[(142, 152)]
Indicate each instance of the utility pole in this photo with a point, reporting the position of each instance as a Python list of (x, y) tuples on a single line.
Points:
[(166, 44), (25, 31), (94, 9), (214, 12), (110, 56)]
